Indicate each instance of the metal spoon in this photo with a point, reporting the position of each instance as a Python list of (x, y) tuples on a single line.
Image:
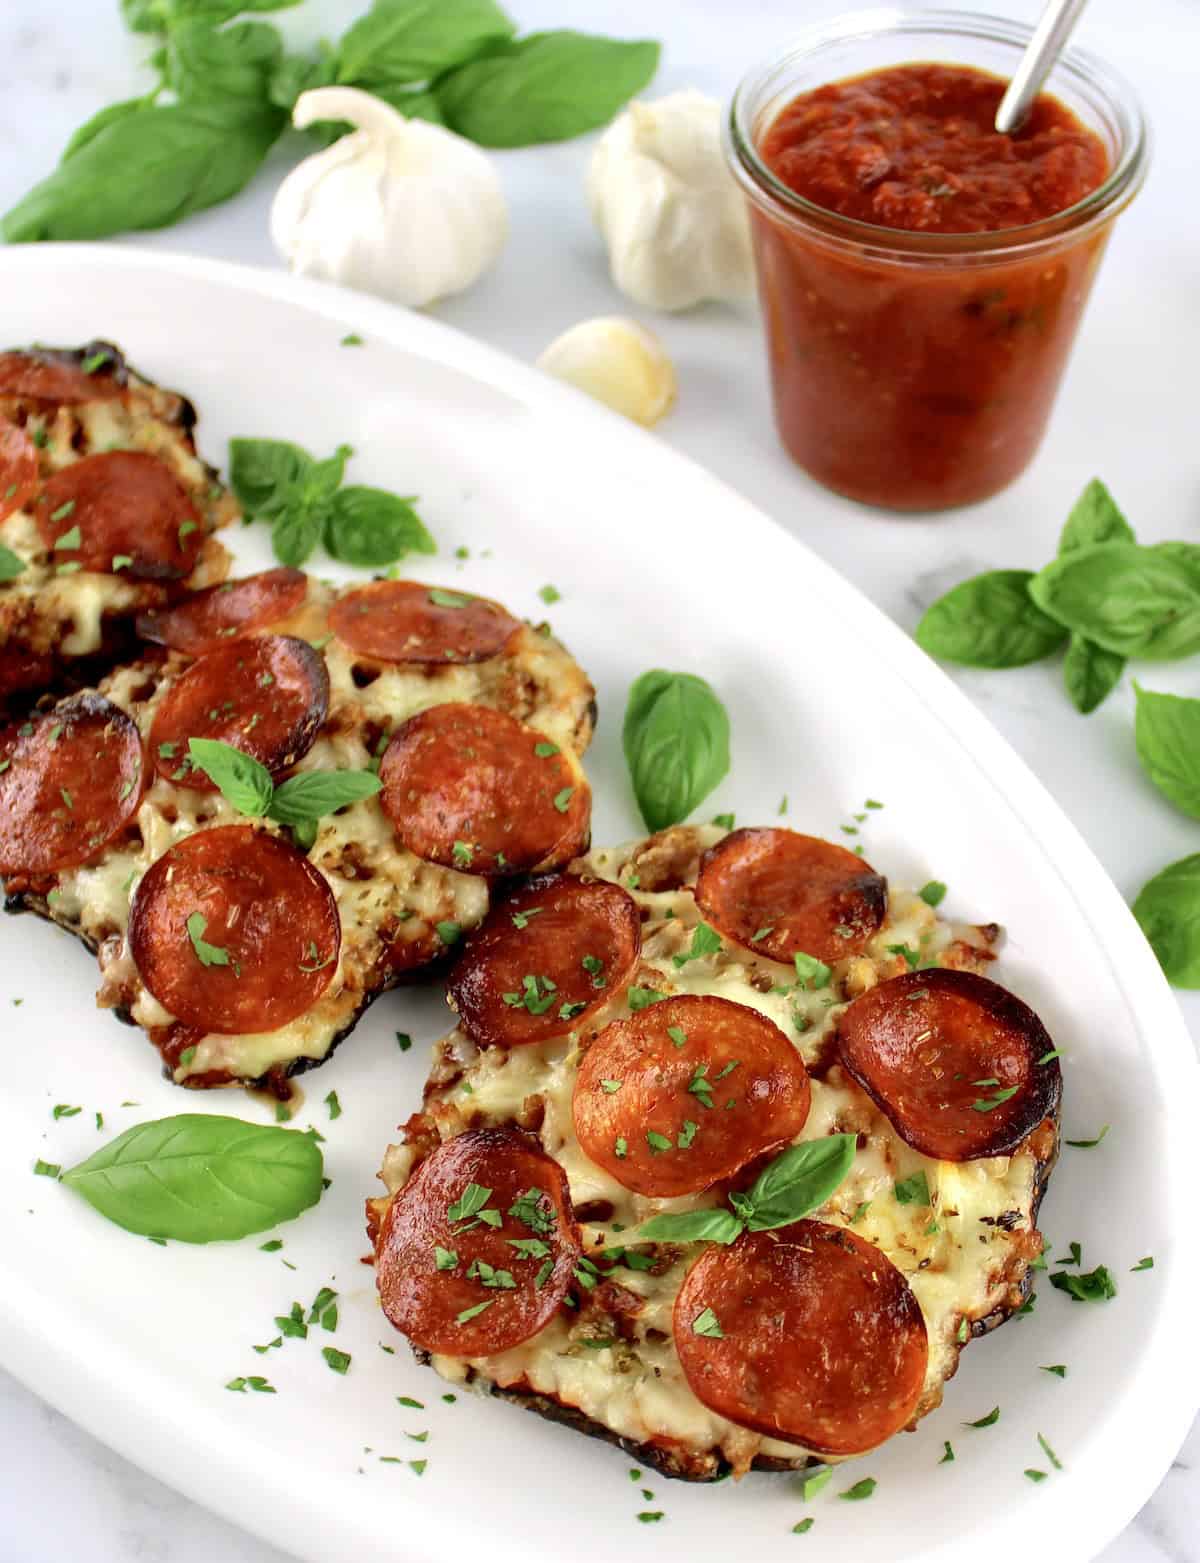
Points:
[(1051, 33)]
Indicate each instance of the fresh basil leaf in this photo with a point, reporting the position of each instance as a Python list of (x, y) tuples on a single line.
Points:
[(1167, 731), (295, 534), (157, 16), (147, 169), (296, 73), (312, 794), (201, 1178), (262, 472), (241, 779), (91, 128), (1090, 673), (402, 41), (989, 621), (1133, 600), (413, 105), (798, 1180), (1168, 909), (546, 87), (319, 481), (691, 1226), (1094, 518), (369, 527), (676, 739), (236, 62), (11, 565)]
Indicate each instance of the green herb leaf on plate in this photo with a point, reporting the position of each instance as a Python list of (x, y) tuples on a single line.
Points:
[(369, 527), (1167, 731), (1168, 909), (676, 741), (11, 565), (201, 1178)]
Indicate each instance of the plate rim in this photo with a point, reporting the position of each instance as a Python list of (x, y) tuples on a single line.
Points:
[(82, 1391)]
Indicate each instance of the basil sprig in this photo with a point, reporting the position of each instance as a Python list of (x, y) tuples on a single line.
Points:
[(676, 740), (300, 801), (797, 1181), (201, 1178), (224, 95), (1007, 618), (1168, 910), (303, 500)]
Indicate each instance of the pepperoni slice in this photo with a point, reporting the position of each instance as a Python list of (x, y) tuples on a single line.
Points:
[(808, 1334), (70, 780), (18, 468), (653, 1095), (453, 1278), (268, 697), (954, 1060), (50, 376), (234, 931), (208, 619), (472, 788), (545, 959), (125, 504), (781, 893), (406, 622)]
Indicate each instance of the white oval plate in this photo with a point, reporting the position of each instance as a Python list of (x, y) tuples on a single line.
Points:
[(658, 565)]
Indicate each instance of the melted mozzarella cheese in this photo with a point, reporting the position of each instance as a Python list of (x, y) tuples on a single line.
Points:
[(957, 1255)]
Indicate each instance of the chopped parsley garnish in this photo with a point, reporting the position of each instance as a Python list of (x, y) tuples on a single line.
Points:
[(860, 1490), (562, 799), (810, 972), (472, 1200), (444, 1258), (649, 1516), (677, 1035), (549, 594), (611, 1086), (810, 1486), (292, 1324), (1093, 1286), (496, 1280), (913, 1190), (860, 1212), (521, 919), (705, 941), (46, 1169), (529, 1247), (351, 339), (527, 1209), (545, 749), (207, 954), (707, 1323), (536, 995), (912, 958), (1143, 1264), (449, 932), (1057, 1368), (271, 1246), (403, 1041), (934, 893), (339, 1361), (1086, 1145), (1049, 1453), (74, 537), (595, 970), (1055, 1052), (1073, 1257), (463, 853), (334, 1106), (62, 1110), (1034, 1474), (656, 1141), (254, 1381), (802, 1527), (544, 1274), (444, 599), (990, 1420), (949, 1454), (700, 1087), (987, 1103), (620, 1147), (642, 998), (687, 1134), (725, 821)]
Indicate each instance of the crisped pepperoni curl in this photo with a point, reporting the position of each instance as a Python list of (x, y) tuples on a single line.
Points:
[(478, 1248), (406, 622), (70, 780), (545, 959), (18, 468), (208, 619), (783, 894), (267, 696), (807, 1333), (62, 377), (234, 931), (958, 1064), (472, 788), (127, 505), (685, 1092)]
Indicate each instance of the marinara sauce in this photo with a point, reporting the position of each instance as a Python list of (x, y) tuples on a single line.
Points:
[(914, 377)]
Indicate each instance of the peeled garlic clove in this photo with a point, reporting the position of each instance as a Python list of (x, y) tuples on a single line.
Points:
[(399, 207), (618, 362)]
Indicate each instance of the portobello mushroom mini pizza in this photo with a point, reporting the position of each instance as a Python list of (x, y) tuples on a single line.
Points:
[(732, 1151), (106, 510)]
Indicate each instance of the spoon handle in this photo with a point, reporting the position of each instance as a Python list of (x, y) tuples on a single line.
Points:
[(1051, 33)]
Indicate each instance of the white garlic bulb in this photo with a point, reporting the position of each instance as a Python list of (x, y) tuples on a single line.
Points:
[(618, 362), (399, 207), (667, 206)]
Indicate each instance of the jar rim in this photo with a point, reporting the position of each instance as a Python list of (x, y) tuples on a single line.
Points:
[(781, 202)]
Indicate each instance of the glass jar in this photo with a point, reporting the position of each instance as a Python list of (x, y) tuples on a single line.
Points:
[(911, 370)]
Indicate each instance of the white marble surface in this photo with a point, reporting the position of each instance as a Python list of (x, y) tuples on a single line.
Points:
[(1123, 414)]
